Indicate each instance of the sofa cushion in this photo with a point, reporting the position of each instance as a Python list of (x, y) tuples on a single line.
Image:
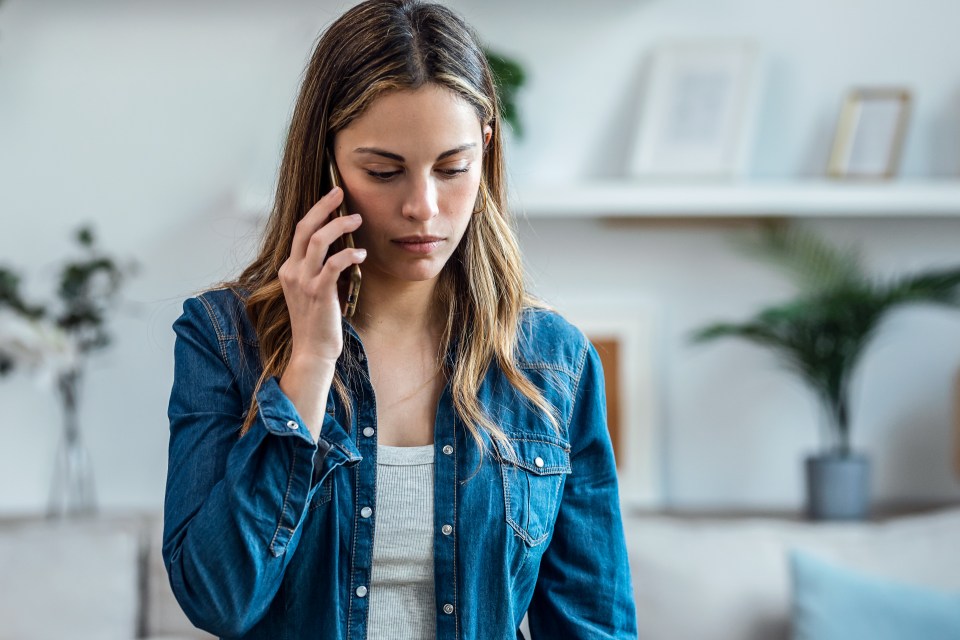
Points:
[(831, 602), (68, 579), (728, 579)]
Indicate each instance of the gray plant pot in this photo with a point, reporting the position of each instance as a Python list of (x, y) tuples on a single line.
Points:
[(838, 487)]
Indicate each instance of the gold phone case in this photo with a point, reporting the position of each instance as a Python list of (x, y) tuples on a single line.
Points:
[(353, 286)]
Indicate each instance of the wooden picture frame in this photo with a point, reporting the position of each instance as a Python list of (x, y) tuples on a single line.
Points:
[(956, 425), (623, 335), (870, 133)]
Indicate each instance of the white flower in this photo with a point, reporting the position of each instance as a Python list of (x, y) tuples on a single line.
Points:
[(39, 346)]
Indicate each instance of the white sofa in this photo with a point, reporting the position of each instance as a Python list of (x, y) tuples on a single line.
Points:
[(694, 578), (729, 578), (96, 578)]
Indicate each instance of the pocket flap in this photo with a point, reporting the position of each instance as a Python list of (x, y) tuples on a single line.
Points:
[(538, 456)]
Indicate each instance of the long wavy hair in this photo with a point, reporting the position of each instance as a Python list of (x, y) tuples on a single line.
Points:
[(376, 47)]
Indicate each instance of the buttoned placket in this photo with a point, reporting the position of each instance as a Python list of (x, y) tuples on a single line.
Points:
[(364, 481), (445, 500), (445, 512)]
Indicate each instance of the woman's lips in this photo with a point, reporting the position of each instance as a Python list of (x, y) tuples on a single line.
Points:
[(415, 246)]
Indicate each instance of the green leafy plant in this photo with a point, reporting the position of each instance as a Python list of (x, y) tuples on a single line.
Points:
[(87, 289), (509, 77), (821, 334)]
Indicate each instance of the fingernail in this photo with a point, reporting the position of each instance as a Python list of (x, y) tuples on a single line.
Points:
[(355, 216), (362, 253)]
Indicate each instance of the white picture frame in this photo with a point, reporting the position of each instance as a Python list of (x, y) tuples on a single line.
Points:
[(698, 111), (633, 326)]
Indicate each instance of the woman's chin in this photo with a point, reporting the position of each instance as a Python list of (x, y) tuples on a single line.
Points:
[(421, 271), (422, 275)]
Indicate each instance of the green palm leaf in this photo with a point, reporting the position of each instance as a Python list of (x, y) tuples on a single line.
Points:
[(822, 334), (807, 259), (934, 287)]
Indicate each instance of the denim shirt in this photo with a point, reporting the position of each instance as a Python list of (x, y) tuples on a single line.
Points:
[(271, 535)]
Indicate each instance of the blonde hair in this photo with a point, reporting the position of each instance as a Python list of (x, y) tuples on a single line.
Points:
[(375, 47)]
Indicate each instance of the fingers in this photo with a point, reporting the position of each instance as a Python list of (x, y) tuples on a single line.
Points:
[(296, 276), (340, 261), (320, 242), (315, 218)]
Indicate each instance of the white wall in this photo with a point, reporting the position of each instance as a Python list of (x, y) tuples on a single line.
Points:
[(151, 119)]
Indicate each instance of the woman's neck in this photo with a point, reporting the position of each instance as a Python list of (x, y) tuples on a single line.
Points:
[(403, 312)]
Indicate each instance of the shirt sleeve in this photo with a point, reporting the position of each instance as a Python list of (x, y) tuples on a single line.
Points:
[(584, 588), (233, 505)]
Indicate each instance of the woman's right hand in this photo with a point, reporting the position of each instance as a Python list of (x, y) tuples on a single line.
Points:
[(309, 280)]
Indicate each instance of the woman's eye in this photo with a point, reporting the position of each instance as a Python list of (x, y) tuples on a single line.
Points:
[(383, 176), (387, 175)]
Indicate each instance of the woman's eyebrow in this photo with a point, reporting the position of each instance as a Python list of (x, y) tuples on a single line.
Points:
[(399, 158)]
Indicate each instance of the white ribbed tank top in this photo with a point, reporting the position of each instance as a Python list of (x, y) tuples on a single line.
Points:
[(402, 599)]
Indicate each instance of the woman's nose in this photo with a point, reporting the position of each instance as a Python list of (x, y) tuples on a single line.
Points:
[(421, 200)]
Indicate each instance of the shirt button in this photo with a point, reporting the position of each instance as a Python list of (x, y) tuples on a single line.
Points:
[(368, 431), (292, 424), (447, 529), (361, 591), (538, 462), (366, 511), (447, 449), (448, 608)]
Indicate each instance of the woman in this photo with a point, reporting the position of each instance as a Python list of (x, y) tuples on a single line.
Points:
[(435, 465)]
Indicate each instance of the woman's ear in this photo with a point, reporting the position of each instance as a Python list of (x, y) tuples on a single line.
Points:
[(487, 134)]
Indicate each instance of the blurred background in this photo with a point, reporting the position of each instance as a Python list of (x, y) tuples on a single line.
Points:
[(161, 125)]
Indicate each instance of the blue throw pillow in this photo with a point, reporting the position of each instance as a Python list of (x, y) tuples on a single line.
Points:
[(835, 603)]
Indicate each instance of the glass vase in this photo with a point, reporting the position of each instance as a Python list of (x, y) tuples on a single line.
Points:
[(72, 492)]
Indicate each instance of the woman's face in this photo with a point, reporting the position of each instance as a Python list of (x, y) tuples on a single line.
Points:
[(411, 166)]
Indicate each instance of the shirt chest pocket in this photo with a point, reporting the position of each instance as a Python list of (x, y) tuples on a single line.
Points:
[(533, 481), (323, 494)]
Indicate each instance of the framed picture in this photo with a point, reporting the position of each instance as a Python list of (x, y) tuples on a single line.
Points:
[(623, 335), (698, 110), (956, 425), (870, 133)]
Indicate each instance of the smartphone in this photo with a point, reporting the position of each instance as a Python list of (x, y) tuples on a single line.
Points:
[(345, 241)]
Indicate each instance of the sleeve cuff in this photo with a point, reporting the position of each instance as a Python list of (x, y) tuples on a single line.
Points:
[(280, 415)]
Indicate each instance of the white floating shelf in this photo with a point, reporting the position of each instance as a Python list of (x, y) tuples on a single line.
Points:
[(796, 198)]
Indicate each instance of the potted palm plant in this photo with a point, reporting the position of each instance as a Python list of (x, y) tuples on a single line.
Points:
[(820, 335)]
